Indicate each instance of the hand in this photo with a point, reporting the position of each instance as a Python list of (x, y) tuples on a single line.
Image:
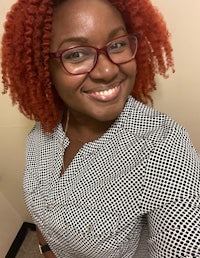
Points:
[(42, 241)]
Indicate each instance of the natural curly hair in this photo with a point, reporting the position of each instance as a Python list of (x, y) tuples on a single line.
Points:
[(26, 46)]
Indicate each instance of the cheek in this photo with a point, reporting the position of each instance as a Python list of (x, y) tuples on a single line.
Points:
[(130, 70), (67, 86), (131, 74), (64, 83), (57, 72)]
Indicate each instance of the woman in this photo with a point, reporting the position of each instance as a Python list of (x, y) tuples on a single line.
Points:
[(98, 160)]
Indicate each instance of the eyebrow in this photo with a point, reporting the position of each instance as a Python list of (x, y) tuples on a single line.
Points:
[(84, 40), (114, 33), (74, 39)]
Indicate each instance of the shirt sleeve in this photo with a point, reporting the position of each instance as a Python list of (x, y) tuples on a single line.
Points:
[(171, 197)]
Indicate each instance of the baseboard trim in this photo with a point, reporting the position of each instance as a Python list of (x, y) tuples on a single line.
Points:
[(12, 252)]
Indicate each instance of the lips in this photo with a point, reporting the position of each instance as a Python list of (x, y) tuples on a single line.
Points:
[(106, 94)]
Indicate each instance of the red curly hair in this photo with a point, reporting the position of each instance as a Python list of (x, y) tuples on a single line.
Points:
[(26, 46)]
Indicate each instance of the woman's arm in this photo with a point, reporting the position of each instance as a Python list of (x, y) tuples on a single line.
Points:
[(42, 241), (171, 197), (175, 229)]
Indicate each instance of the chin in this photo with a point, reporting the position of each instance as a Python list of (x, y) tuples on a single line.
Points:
[(110, 115)]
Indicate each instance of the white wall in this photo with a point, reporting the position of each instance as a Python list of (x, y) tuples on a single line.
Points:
[(179, 96)]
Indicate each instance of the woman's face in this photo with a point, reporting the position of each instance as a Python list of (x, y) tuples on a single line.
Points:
[(102, 93)]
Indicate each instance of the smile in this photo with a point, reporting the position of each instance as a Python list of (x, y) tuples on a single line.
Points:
[(105, 95)]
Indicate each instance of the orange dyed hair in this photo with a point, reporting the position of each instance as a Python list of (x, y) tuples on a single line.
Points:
[(25, 55)]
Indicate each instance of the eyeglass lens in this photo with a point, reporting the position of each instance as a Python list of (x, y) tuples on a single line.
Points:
[(80, 60)]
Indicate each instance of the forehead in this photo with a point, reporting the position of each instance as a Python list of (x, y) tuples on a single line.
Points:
[(76, 5), (85, 18)]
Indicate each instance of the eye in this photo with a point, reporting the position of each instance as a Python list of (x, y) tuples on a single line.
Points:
[(118, 46), (77, 55)]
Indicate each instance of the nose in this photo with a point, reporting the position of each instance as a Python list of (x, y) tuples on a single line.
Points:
[(104, 69)]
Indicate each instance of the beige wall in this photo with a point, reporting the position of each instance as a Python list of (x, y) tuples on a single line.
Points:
[(179, 96), (13, 131), (10, 223)]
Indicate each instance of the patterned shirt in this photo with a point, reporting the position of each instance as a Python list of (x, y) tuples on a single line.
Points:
[(144, 165)]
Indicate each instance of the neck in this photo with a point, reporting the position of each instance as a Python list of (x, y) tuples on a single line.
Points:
[(85, 129)]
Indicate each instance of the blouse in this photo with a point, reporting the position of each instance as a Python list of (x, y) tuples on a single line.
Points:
[(144, 165)]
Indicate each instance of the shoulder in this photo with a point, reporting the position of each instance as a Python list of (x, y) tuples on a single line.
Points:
[(39, 141), (172, 170), (146, 122), (172, 167), (38, 135)]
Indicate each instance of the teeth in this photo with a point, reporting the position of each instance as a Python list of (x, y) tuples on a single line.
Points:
[(105, 92)]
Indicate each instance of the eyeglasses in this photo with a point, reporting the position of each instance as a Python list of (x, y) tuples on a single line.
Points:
[(83, 59)]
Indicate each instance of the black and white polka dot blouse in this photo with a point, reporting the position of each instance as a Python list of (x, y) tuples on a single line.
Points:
[(144, 164)]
